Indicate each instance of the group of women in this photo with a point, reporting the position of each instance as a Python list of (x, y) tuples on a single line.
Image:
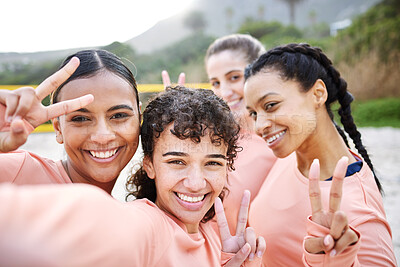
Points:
[(293, 191)]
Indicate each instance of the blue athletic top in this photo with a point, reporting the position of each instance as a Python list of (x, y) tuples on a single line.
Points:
[(352, 168)]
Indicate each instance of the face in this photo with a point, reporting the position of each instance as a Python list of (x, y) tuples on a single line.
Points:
[(188, 176), (226, 74), (284, 115), (101, 138)]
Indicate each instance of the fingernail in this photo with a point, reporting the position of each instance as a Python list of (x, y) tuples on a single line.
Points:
[(9, 118), (327, 240), (259, 254), (333, 253), (245, 248), (251, 257)]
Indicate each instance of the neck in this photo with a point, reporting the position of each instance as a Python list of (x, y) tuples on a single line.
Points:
[(325, 144), (76, 177)]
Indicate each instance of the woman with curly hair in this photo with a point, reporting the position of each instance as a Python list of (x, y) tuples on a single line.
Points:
[(189, 138), (289, 91)]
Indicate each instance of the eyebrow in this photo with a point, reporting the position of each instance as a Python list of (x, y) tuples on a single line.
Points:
[(182, 154), (263, 97), (229, 72), (122, 106)]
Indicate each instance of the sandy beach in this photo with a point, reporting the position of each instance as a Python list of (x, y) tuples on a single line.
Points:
[(383, 145)]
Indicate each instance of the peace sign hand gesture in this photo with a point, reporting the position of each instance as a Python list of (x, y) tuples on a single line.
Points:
[(340, 234), (25, 103), (167, 81), (245, 243)]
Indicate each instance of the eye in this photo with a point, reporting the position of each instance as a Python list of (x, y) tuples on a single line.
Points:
[(269, 106), (176, 162), (235, 77), (80, 118), (119, 115), (214, 163), (253, 115), (215, 84)]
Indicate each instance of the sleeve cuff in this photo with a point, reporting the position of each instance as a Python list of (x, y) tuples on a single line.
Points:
[(348, 257)]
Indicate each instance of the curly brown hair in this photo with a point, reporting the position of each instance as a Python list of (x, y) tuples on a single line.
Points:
[(194, 113)]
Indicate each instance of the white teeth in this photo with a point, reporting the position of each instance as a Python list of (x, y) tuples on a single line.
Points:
[(234, 102), (103, 154), (276, 136), (190, 199)]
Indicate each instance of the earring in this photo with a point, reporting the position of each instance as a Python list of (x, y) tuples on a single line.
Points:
[(59, 138)]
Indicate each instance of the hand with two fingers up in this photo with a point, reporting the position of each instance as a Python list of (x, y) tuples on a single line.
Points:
[(21, 110), (167, 81), (340, 235), (247, 247)]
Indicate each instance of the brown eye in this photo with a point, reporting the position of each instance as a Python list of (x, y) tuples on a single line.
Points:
[(269, 106), (79, 118)]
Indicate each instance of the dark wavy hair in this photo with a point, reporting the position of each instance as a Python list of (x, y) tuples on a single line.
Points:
[(94, 61), (305, 65), (194, 113)]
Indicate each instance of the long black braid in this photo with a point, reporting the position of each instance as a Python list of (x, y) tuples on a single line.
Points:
[(302, 63)]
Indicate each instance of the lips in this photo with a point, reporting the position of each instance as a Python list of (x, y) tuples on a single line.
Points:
[(191, 202), (103, 154), (234, 103), (272, 138), (190, 199)]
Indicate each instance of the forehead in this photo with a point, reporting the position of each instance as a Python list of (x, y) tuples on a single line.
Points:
[(226, 61), (102, 85), (169, 142)]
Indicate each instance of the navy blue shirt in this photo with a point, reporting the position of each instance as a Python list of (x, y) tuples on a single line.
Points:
[(351, 169)]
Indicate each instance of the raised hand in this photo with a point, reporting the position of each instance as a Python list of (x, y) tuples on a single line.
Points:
[(340, 234), (25, 103), (167, 81), (245, 243)]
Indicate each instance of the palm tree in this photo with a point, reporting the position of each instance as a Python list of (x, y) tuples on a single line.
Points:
[(292, 4)]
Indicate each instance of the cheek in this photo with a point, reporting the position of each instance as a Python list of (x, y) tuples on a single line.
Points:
[(238, 88), (217, 92), (74, 136), (218, 181), (130, 131)]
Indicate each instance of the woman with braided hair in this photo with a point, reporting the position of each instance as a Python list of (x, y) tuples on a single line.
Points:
[(288, 92)]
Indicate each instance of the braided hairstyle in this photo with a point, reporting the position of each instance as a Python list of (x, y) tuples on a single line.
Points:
[(194, 113), (305, 65)]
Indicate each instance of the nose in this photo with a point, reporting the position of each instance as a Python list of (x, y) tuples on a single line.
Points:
[(262, 124), (103, 132), (195, 180), (226, 90)]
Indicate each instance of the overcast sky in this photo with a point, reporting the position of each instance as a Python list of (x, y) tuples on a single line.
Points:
[(40, 25)]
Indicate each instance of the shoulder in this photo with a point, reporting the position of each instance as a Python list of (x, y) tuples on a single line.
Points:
[(23, 167)]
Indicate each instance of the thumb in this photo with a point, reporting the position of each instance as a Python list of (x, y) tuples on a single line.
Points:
[(319, 244), (239, 257), (15, 138)]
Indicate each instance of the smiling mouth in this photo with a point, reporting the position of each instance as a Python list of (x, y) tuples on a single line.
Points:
[(190, 199), (275, 136), (234, 102), (103, 154)]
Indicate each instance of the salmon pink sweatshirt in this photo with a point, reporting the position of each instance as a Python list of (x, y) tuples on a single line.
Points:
[(280, 213), (81, 225)]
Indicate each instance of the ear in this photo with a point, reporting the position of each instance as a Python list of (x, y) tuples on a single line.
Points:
[(149, 167), (319, 93), (140, 112), (57, 129)]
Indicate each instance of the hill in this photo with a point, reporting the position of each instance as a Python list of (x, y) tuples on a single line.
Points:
[(225, 16)]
